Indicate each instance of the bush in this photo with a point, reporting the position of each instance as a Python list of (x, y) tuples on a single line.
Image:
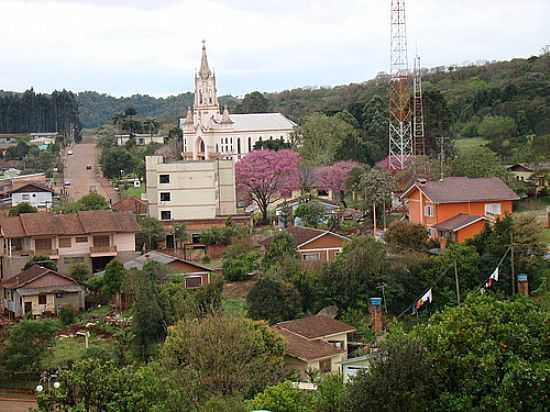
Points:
[(311, 213), (405, 235), (273, 300), (238, 262), (67, 315), (219, 236)]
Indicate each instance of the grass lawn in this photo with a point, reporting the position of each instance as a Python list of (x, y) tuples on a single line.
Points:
[(71, 349), (234, 307), (546, 236), (470, 142)]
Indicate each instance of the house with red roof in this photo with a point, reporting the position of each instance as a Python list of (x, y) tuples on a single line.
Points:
[(457, 208), (92, 237), (315, 343), (38, 290)]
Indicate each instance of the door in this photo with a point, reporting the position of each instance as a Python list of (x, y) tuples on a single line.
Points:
[(28, 307)]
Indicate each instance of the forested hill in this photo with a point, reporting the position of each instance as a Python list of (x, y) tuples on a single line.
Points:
[(519, 89)]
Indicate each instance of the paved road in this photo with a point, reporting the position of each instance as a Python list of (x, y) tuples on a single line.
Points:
[(81, 179)]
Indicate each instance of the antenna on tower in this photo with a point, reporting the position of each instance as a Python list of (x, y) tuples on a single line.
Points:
[(418, 120), (400, 136)]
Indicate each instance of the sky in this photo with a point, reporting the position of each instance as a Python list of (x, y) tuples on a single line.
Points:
[(124, 47)]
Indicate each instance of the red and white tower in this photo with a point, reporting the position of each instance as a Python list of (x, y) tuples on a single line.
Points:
[(418, 121), (400, 131)]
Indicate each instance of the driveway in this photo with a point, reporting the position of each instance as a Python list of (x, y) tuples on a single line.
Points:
[(84, 180)]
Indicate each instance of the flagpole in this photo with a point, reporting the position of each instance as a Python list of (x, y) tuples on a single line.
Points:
[(512, 266), (457, 284)]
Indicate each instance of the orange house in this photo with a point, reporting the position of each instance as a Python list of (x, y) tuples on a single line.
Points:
[(456, 208)]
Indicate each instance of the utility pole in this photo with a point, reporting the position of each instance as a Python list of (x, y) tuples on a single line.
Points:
[(512, 263), (374, 217), (457, 284)]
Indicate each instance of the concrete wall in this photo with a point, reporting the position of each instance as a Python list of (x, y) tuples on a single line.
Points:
[(198, 189)]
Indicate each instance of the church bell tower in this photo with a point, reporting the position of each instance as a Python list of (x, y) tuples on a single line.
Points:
[(206, 98)]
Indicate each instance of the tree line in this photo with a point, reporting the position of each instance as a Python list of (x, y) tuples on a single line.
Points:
[(29, 112)]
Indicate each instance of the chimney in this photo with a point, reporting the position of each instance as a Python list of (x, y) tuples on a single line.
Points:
[(376, 315), (523, 284)]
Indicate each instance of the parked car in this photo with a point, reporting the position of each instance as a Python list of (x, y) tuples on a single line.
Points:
[(88, 167), (69, 152), (67, 183)]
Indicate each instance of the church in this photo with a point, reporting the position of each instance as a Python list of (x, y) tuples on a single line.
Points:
[(210, 133)]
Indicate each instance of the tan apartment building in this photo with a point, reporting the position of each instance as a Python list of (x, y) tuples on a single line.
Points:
[(92, 237)]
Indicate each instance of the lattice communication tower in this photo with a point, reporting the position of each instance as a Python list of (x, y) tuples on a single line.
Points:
[(400, 134)]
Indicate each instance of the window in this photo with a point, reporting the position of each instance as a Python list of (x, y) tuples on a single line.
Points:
[(311, 257), (428, 211), (81, 239), (196, 238), (26, 196), (322, 193), (492, 209), (43, 244), (41, 299), (102, 241), (64, 242), (165, 215), (325, 365), (249, 144), (164, 196), (239, 145), (164, 179), (193, 282)]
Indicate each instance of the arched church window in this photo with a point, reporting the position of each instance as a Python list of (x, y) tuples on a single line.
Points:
[(249, 144), (200, 96), (239, 145)]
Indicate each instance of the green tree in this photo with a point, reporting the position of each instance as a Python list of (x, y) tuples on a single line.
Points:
[(280, 246), (490, 354), (22, 208), (273, 300), (114, 278), (151, 231), (477, 162), (27, 343), (283, 397), (497, 127), (116, 159), (43, 261), (239, 260), (375, 126), (311, 213), (80, 272), (181, 235), (407, 236), (93, 201), (402, 378), (148, 323), (321, 137), (254, 102), (243, 356)]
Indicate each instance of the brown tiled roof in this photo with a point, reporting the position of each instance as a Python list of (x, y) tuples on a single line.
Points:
[(29, 275), (302, 234), (465, 189), (459, 221), (30, 187), (317, 326), (131, 204), (304, 349), (94, 221)]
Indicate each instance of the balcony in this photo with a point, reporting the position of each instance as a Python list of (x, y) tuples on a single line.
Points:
[(98, 251), (51, 253)]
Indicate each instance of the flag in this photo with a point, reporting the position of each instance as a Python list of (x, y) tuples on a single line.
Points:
[(492, 279), (427, 297)]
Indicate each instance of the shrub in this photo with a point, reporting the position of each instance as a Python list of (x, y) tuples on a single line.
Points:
[(67, 315), (239, 261)]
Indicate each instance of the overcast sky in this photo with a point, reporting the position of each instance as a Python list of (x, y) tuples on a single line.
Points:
[(122, 47)]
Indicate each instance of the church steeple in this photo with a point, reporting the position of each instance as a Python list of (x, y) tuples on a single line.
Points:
[(204, 72), (206, 98)]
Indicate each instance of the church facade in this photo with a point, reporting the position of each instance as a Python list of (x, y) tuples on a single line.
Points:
[(210, 133)]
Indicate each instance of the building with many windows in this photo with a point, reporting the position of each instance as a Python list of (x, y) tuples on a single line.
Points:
[(210, 133)]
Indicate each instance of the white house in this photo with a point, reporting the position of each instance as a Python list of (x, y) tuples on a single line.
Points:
[(141, 139), (45, 138), (36, 194), (210, 133)]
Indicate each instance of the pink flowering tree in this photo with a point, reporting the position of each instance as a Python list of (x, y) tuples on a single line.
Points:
[(335, 177), (265, 176)]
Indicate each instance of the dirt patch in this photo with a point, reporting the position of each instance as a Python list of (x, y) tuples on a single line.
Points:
[(238, 290)]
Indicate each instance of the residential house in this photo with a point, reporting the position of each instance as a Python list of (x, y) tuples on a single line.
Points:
[(315, 343), (352, 366), (457, 208), (38, 195), (44, 139), (91, 237), (194, 275), (535, 174), (38, 290), (284, 212), (11, 182), (317, 245), (131, 204)]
